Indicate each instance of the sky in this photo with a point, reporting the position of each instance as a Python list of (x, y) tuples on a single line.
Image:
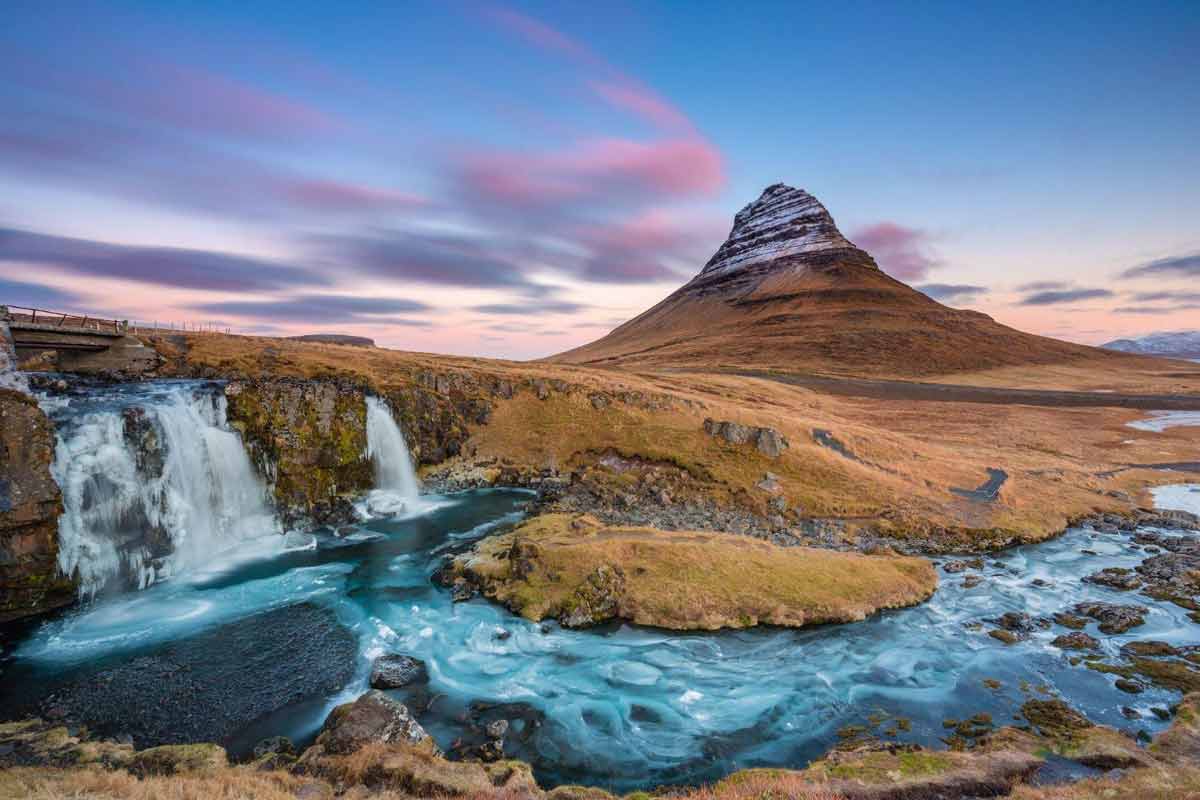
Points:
[(515, 179)]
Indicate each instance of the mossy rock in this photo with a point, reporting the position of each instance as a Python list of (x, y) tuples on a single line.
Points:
[(172, 759)]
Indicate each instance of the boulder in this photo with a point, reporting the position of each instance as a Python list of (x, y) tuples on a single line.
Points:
[(374, 718), (394, 670)]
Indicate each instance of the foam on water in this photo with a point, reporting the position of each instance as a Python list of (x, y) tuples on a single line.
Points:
[(627, 707)]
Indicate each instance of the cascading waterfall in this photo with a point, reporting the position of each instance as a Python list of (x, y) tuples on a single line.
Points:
[(154, 483), (396, 486)]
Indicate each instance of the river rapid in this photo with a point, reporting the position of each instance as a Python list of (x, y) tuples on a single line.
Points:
[(621, 706)]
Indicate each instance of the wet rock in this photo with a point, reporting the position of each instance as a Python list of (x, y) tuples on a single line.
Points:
[(1008, 637), (497, 728), (1072, 621), (1149, 647), (971, 581), (1054, 718), (1130, 713), (1126, 685), (1018, 622), (374, 718), (953, 567), (394, 670), (1077, 640), (274, 745), (1113, 618), (1115, 578), (597, 599)]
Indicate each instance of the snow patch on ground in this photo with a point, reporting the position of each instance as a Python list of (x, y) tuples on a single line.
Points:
[(1159, 421)]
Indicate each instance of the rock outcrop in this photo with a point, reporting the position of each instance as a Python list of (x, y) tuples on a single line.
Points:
[(30, 504)]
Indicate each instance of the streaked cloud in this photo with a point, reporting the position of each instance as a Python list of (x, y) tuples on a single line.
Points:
[(319, 309), (1064, 296), (177, 267), (952, 292), (1185, 266), (36, 295)]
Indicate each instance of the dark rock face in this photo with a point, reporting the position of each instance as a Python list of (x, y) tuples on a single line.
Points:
[(227, 678), (393, 670), (597, 600), (30, 504), (309, 440), (372, 718)]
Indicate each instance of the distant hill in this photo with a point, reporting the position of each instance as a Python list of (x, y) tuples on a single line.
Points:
[(1168, 344), (787, 291), (335, 338)]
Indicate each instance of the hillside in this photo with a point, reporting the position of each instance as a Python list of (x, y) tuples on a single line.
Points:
[(787, 291)]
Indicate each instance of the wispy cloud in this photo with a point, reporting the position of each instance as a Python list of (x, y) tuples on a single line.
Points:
[(952, 292), (160, 266), (318, 309), (1064, 296), (1168, 296), (1042, 286), (1185, 266), (36, 295)]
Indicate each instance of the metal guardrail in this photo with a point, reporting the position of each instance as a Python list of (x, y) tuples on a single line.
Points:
[(47, 319), (59, 319)]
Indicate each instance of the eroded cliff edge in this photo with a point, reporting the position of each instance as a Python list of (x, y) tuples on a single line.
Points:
[(30, 504)]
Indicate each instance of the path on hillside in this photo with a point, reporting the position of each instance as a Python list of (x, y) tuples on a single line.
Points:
[(957, 393)]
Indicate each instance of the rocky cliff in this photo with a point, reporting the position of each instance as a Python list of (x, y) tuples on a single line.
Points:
[(30, 504)]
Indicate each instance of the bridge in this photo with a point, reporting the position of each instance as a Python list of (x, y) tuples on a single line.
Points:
[(80, 343)]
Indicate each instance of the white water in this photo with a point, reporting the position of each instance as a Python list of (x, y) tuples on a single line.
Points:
[(396, 487), (183, 507)]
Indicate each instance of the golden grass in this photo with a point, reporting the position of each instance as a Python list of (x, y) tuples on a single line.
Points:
[(761, 784), (234, 783), (909, 454), (698, 580)]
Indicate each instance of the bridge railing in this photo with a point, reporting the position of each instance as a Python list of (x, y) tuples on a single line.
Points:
[(59, 319)]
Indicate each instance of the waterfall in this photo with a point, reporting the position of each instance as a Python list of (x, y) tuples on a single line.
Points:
[(154, 483), (396, 486)]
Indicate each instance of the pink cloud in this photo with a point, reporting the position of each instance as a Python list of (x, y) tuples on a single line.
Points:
[(644, 103), (543, 36), (642, 247), (192, 98), (677, 167), (900, 251)]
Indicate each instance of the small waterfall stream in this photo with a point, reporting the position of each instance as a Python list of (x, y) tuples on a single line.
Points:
[(396, 485), (154, 483)]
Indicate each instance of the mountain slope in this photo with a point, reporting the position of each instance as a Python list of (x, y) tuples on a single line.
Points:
[(1168, 344), (787, 291)]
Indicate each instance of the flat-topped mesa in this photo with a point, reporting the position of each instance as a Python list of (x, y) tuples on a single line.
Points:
[(783, 222)]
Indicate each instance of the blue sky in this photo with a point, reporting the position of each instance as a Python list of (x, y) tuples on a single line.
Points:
[(514, 179)]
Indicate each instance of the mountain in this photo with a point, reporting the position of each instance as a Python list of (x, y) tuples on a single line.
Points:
[(787, 291), (1169, 344)]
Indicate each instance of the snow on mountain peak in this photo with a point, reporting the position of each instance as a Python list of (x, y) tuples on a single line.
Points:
[(783, 221)]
